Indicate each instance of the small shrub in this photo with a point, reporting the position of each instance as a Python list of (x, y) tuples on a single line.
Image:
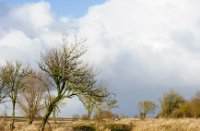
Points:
[(119, 127), (85, 117), (104, 115), (84, 128), (75, 116)]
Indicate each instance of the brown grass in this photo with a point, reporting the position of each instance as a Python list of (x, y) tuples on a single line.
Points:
[(137, 124)]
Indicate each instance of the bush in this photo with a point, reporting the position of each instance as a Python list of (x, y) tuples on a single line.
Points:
[(85, 117), (170, 102), (183, 111), (195, 104), (76, 116), (84, 128), (119, 127), (104, 115)]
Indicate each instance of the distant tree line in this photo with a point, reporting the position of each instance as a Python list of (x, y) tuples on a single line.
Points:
[(172, 105), (62, 70)]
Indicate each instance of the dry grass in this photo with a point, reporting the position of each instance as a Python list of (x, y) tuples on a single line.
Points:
[(161, 124), (164, 124), (137, 124)]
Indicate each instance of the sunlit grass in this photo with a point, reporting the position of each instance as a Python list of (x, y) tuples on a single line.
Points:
[(149, 124)]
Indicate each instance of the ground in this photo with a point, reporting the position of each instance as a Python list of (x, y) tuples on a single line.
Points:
[(150, 124)]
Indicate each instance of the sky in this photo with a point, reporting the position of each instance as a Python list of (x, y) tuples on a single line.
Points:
[(143, 48), (69, 8)]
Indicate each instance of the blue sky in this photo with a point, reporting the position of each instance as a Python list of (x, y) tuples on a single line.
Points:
[(70, 8)]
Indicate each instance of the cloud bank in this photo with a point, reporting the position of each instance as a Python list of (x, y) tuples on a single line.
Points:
[(142, 47)]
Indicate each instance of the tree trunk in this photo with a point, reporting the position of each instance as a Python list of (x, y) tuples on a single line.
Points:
[(13, 115), (44, 120), (49, 111), (144, 115), (30, 121), (89, 114)]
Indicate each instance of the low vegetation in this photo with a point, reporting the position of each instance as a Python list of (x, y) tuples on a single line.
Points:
[(125, 124)]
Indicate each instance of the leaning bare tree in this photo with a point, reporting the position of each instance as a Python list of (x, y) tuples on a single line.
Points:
[(69, 75), (12, 74), (31, 100)]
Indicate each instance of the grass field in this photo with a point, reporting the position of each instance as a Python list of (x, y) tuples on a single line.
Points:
[(135, 124)]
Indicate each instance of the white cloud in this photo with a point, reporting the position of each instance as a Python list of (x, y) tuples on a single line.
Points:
[(37, 15), (139, 45), (17, 45), (153, 31), (145, 45), (28, 29)]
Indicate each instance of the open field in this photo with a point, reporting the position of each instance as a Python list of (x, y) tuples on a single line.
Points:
[(185, 124)]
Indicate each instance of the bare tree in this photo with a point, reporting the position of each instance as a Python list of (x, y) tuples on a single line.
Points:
[(145, 107), (90, 105), (12, 75), (98, 105), (32, 97), (111, 103), (69, 75)]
